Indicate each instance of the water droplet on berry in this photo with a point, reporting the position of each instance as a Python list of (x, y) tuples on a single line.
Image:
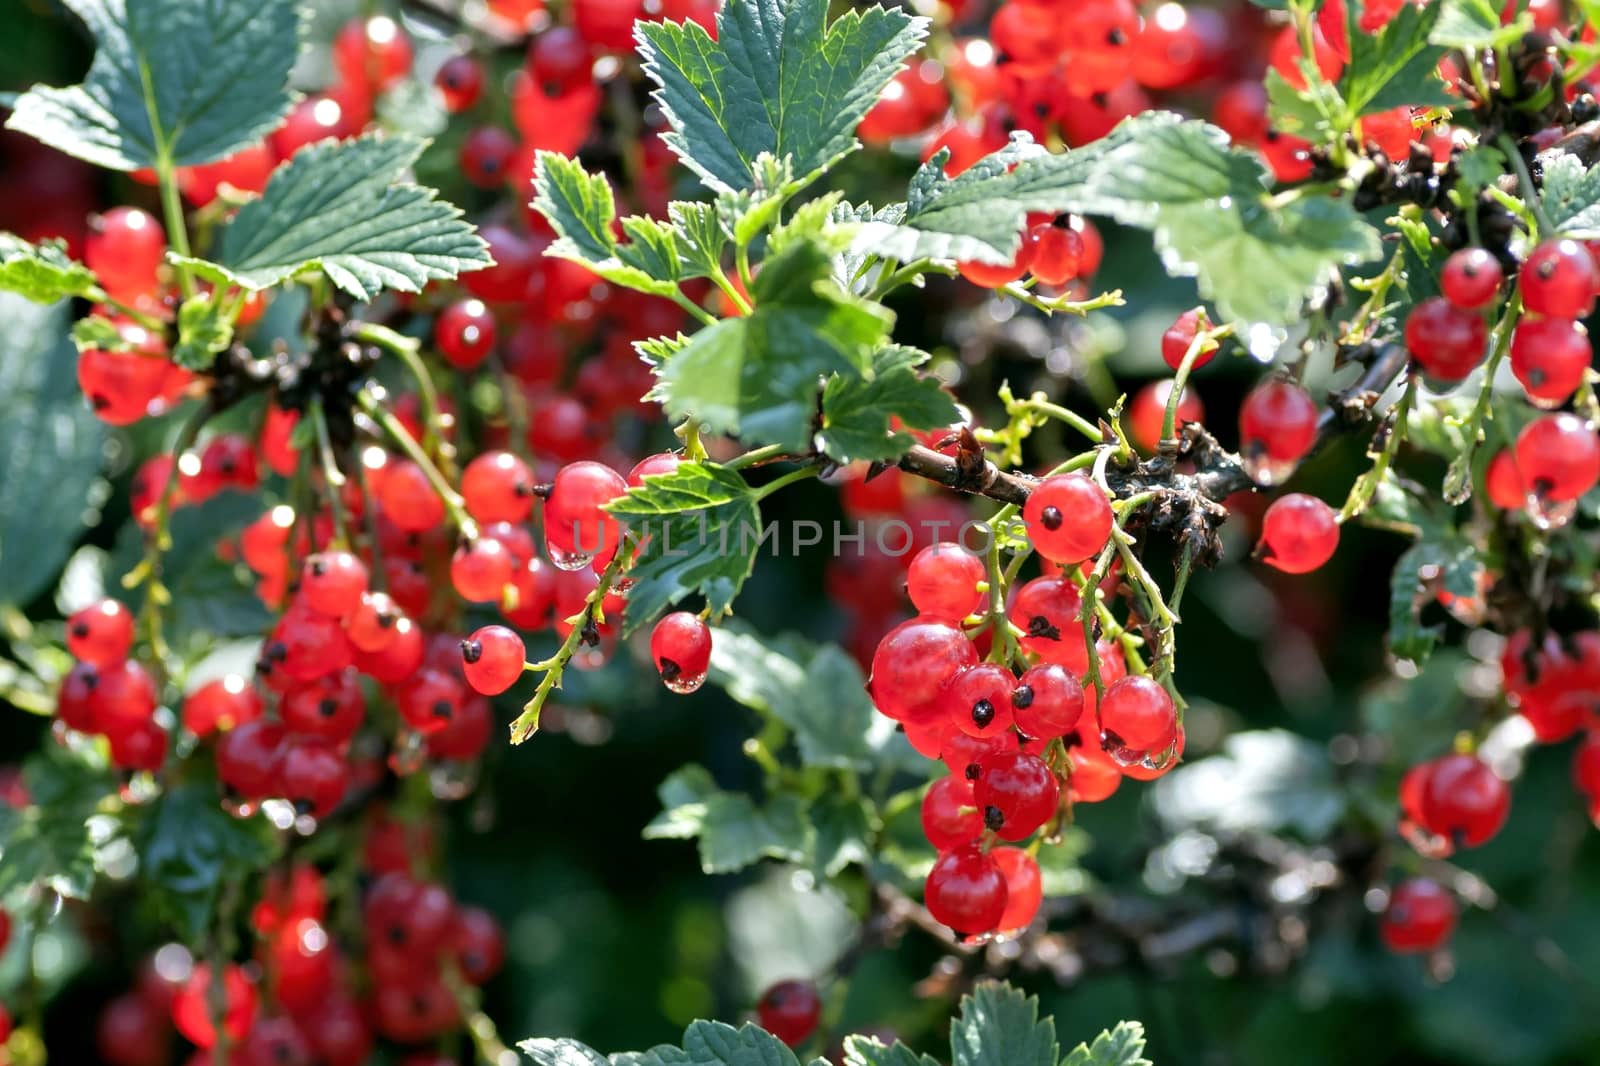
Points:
[(565, 560)]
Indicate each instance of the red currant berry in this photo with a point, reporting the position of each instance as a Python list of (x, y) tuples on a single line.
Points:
[(790, 1010), (996, 276), (680, 646), (312, 776), (125, 248), (492, 658), (950, 816), (498, 487), (1137, 714), (1054, 249), (374, 52), (1558, 280), (1277, 426), (100, 634), (477, 943), (560, 60), (331, 707), (1147, 413), (397, 660), (1464, 801), (962, 753), (134, 1032), (912, 663), (121, 386), (1298, 534), (371, 626), (1046, 610), (480, 569), (139, 747), (1068, 518), (1558, 456), (408, 498), (248, 758), (191, 1007), (966, 891), (75, 701), (1550, 357), (220, 705), (1471, 278), (466, 735), (576, 529), (1447, 342), (530, 601), (1047, 702), (1420, 917), (943, 582), (652, 465), (1024, 888), (1586, 766), (429, 700), (1016, 792), (465, 334), (332, 583), (978, 700), (1095, 775), (125, 697), (1179, 338), (460, 83), (486, 155)]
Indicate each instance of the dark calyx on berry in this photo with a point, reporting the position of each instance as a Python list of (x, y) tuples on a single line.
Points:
[(1050, 518), (993, 818), (1040, 626), (471, 651), (669, 669), (442, 709), (1022, 697), (982, 713)]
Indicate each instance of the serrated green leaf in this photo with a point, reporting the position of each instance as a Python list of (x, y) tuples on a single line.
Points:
[(1441, 560), (747, 213), (1120, 1046), (657, 350), (717, 1044), (203, 331), (701, 238), (777, 79), (843, 833), (1479, 167), (652, 248), (1571, 195), (999, 1023), (50, 448), (188, 81), (343, 207), (1395, 66), (856, 412), (758, 377), (579, 206), (48, 842), (1298, 111), (189, 847), (42, 272), (94, 331), (1473, 24), (811, 221), (731, 830), (870, 1051), (1256, 258), (702, 530), (561, 1053)]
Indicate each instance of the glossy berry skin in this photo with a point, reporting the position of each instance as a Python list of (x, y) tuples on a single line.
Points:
[(1549, 356), (477, 943), (1024, 888), (966, 891), (492, 658), (978, 700), (1558, 280), (408, 498), (124, 697), (221, 704), (950, 817), (100, 634), (1175, 342), (1420, 917), (481, 569), (460, 83), (430, 700), (995, 276), (372, 625), (1446, 342), (1464, 801), (1298, 534), (1046, 610), (680, 646), (1095, 775), (486, 155), (1136, 713), (332, 583), (497, 486), (312, 776), (331, 707), (465, 334), (125, 248), (373, 52), (560, 60), (912, 663), (943, 580), (1054, 250), (120, 386), (248, 758), (75, 700), (1558, 456), (790, 1010), (1277, 426), (1147, 413), (1016, 792), (191, 1012), (1047, 702), (1471, 278), (576, 530), (1068, 518)]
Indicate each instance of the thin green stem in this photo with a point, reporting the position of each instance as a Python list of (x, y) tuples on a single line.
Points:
[(527, 722), (1525, 186), (756, 457), (1204, 341), (706, 318), (787, 479), (332, 477), (1366, 486), (98, 295), (409, 351), (1039, 405), (741, 262), (1004, 647), (1185, 565), (408, 444), (1062, 305), (908, 274), (735, 297)]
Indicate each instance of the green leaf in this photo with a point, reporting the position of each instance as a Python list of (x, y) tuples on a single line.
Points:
[(1473, 24), (1571, 195), (343, 208), (180, 81), (1121, 1046), (870, 1051), (732, 831), (758, 377), (716, 1044), (702, 530), (50, 448), (776, 79), (856, 411), (42, 272), (999, 1023), (190, 848), (700, 236), (1395, 66), (1255, 258), (49, 842), (843, 833), (561, 1053), (1301, 112), (1445, 560), (203, 331), (94, 331)]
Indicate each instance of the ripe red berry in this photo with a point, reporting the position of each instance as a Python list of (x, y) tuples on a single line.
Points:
[(408, 498), (486, 155), (1068, 518), (248, 758), (481, 569), (332, 583), (75, 701), (492, 658), (312, 776), (497, 486), (680, 646), (576, 529), (124, 697), (943, 581), (396, 660), (191, 1007), (1447, 342), (142, 746), (1471, 278), (460, 83), (966, 891), (429, 700), (465, 333), (950, 817), (560, 60), (1586, 766), (1024, 888), (1277, 426), (1178, 338), (371, 626), (1558, 280), (1046, 610), (477, 943), (331, 707), (790, 1010), (1147, 413), (374, 52), (978, 700), (1095, 774), (1053, 251), (1464, 801), (1298, 533), (132, 1031), (121, 386), (995, 276), (1137, 714), (125, 248), (1558, 456), (1047, 702), (100, 634), (1016, 792), (220, 705), (1420, 917), (1504, 483), (912, 663), (1550, 356)]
